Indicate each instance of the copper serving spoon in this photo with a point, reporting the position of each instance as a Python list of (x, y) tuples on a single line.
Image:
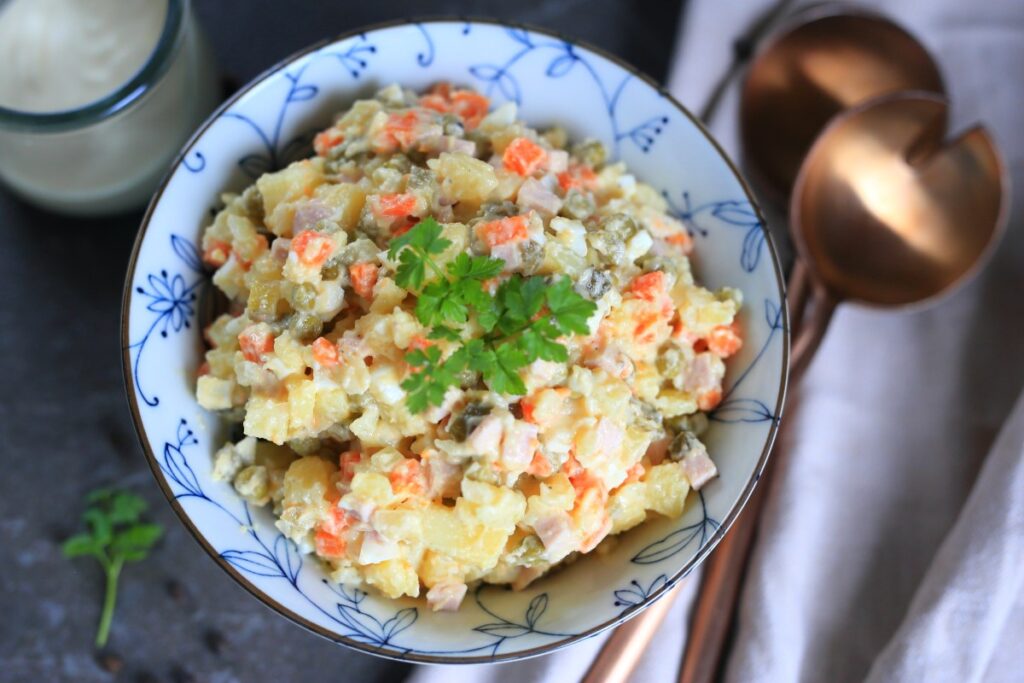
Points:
[(863, 41), (884, 212)]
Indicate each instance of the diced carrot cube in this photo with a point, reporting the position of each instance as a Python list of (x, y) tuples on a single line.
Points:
[(539, 466), (471, 107), (404, 128), (216, 253), (709, 400), (325, 352), (312, 248), (254, 341), (524, 156), (435, 102), (407, 477), (330, 546), (725, 340), (682, 240), (579, 176), (646, 327), (419, 343), (649, 286), (572, 467), (527, 407), (442, 89), (503, 230), (364, 277), (327, 139), (347, 464), (396, 204)]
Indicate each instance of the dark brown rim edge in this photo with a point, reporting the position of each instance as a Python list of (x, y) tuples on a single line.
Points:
[(396, 654)]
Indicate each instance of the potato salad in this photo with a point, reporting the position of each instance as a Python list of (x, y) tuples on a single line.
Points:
[(459, 349)]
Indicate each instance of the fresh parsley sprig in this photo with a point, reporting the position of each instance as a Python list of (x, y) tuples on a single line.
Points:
[(116, 535), (522, 321)]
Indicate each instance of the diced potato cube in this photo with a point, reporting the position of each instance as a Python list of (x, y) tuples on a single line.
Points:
[(253, 484), (464, 178), (214, 393), (282, 187), (394, 578), (400, 525), (437, 567), (346, 199), (667, 487), (627, 506), (266, 418)]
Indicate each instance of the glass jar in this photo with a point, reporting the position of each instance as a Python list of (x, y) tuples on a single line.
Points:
[(109, 155)]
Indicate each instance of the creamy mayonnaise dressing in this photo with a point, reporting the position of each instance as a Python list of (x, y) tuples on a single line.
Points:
[(63, 54)]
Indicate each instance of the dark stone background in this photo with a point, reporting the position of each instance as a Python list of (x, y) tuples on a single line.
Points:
[(64, 422)]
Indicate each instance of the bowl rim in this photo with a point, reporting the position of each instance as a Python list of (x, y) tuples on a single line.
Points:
[(395, 654)]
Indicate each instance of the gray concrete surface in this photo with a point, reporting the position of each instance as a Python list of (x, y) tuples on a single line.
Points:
[(65, 427)]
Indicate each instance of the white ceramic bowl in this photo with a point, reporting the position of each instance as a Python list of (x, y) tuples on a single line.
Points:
[(554, 80)]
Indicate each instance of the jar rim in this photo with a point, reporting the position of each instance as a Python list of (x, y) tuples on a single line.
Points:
[(132, 90)]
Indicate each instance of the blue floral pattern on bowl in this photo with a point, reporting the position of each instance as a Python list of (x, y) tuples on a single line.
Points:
[(553, 81)]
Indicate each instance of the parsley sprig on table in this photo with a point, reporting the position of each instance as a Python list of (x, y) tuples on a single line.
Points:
[(522, 321), (116, 535)]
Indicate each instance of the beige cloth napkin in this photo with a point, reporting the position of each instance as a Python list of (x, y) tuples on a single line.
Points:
[(893, 544)]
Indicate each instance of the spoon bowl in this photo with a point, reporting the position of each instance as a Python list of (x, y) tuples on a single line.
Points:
[(885, 212), (828, 58)]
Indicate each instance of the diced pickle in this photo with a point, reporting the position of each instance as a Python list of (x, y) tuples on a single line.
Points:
[(590, 152), (684, 442), (609, 247), (360, 251), (670, 362), (556, 137), (593, 283), (264, 298), (533, 256), (304, 296), (465, 421), (620, 225), (577, 205), (252, 202), (647, 416), (697, 423)]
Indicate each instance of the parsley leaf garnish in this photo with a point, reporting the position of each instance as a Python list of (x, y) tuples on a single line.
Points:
[(115, 536), (522, 322)]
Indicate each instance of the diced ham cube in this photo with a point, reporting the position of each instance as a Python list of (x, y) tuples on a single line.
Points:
[(307, 215), (510, 253), (698, 468), (443, 477), (486, 438), (534, 196), (702, 376), (518, 446), (558, 160), (446, 596), (556, 533), (377, 548)]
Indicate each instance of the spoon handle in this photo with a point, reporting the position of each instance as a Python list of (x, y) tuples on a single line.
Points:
[(798, 293), (626, 645), (810, 333), (724, 569)]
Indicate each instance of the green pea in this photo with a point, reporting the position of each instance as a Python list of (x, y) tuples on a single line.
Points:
[(331, 270), (306, 327)]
